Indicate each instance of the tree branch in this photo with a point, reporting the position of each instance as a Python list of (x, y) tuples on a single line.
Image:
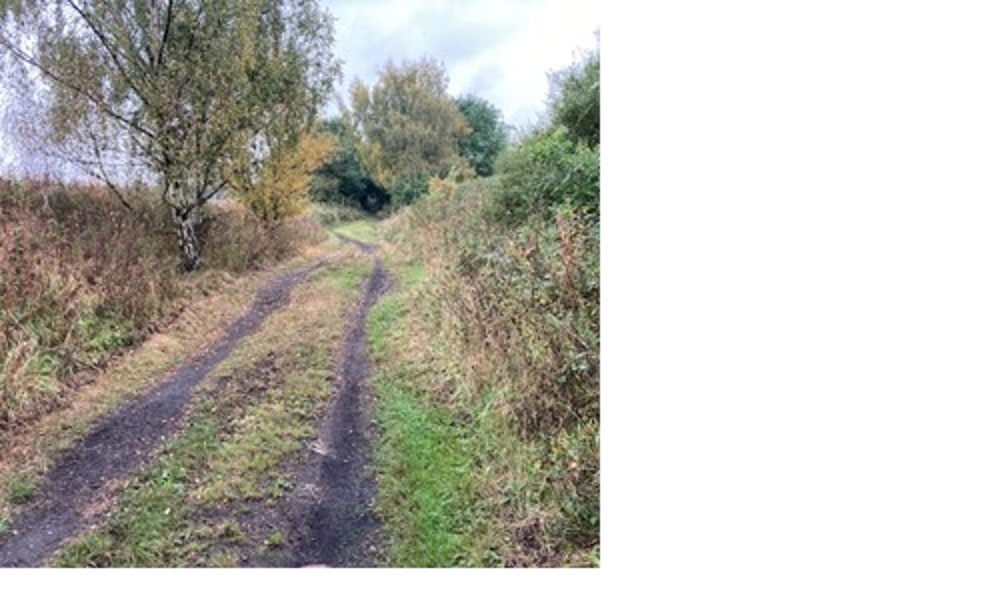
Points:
[(166, 32), (108, 47), (103, 175)]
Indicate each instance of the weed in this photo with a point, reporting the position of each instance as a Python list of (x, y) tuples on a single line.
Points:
[(20, 489), (275, 539)]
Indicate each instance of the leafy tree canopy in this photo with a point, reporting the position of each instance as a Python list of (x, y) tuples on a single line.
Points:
[(406, 126), (488, 133)]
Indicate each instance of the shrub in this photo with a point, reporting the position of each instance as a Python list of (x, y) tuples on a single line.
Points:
[(517, 311), (81, 278), (546, 172), (280, 190), (236, 240)]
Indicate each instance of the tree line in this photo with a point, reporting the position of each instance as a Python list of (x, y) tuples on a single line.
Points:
[(401, 131)]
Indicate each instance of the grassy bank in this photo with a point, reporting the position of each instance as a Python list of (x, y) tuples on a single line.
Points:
[(487, 387)]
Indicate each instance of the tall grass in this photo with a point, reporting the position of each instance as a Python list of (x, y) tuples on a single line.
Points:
[(236, 241), (80, 276), (515, 315), (522, 303)]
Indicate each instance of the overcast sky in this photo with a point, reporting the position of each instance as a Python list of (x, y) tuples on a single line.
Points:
[(500, 50)]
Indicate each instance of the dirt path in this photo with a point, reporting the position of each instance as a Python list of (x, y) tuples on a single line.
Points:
[(331, 508), (82, 485)]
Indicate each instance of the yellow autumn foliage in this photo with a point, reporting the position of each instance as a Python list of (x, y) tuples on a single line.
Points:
[(281, 188)]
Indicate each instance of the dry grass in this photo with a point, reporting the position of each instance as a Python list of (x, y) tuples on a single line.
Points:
[(95, 292), (83, 279), (80, 279), (522, 306), (236, 241)]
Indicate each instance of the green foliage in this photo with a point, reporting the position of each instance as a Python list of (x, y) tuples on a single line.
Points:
[(576, 101), (527, 298), (546, 172), (20, 490), (508, 321), (406, 127), (406, 190), (488, 135), (342, 178)]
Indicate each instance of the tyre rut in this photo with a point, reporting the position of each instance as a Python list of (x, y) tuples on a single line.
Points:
[(334, 523)]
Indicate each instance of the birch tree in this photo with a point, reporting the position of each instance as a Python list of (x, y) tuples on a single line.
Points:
[(190, 89)]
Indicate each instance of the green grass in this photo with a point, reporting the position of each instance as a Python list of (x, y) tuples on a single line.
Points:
[(426, 485), (410, 275), (20, 489), (246, 467), (426, 490), (459, 485), (365, 230), (275, 539), (217, 463), (349, 276), (150, 526)]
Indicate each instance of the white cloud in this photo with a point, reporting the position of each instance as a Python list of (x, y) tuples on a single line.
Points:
[(501, 50)]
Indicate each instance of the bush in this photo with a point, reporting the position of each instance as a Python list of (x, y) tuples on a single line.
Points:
[(488, 135), (237, 240), (548, 171), (576, 104), (342, 179), (281, 188)]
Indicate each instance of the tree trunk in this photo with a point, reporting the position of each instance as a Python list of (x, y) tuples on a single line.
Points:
[(187, 239)]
